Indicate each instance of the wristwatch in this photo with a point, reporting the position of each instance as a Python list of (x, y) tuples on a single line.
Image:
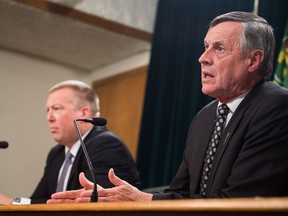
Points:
[(16, 201)]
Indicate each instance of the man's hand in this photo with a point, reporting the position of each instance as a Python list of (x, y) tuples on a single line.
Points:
[(5, 200), (122, 191)]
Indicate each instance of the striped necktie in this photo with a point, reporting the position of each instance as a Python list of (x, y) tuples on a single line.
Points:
[(67, 163), (223, 110)]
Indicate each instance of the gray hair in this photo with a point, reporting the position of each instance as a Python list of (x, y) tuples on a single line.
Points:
[(85, 95), (257, 34)]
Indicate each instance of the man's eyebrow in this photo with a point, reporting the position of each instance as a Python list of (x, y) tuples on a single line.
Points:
[(218, 43), (214, 43)]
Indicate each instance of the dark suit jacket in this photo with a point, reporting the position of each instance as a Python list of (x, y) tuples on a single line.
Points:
[(252, 156), (106, 151)]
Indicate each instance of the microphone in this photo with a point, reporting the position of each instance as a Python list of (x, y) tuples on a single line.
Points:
[(4, 144), (95, 122)]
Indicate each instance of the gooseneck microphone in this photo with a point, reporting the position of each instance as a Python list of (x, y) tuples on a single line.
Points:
[(95, 122), (4, 144)]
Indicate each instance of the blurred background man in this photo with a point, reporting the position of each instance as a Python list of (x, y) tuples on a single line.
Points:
[(67, 101)]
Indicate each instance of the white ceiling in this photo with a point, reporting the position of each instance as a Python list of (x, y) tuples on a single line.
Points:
[(138, 14), (71, 41)]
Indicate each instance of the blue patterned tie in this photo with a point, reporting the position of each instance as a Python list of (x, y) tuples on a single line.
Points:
[(223, 110), (67, 163)]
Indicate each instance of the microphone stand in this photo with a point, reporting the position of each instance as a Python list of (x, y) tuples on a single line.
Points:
[(94, 196)]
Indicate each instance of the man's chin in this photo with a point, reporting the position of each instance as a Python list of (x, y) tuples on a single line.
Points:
[(207, 91), (57, 140)]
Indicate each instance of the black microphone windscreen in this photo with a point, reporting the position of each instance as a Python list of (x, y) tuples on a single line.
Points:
[(99, 121), (4, 144)]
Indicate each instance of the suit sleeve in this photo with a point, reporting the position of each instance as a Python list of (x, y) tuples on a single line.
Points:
[(47, 184)]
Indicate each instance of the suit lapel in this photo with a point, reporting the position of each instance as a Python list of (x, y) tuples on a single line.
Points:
[(231, 129), (196, 154), (57, 163), (76, 164), (209, 126)]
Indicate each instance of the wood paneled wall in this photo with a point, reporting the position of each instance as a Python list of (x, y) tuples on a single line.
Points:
[(121, 103)]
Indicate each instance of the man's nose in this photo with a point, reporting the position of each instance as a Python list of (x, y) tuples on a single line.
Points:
[(49, 116), (205, 58)]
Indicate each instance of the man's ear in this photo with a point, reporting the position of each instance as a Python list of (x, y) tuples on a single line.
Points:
[(256, 58), (85, 112)]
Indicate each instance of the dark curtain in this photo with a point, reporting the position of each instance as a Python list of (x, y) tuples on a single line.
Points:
[(173, 92)]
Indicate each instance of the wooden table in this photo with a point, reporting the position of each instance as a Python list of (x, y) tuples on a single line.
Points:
[(215, 207)]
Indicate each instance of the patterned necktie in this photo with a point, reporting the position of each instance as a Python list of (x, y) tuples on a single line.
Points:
[(223, 110), (67, 163)]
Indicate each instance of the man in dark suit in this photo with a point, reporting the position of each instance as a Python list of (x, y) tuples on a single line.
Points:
[(247, 154), (67, 101)]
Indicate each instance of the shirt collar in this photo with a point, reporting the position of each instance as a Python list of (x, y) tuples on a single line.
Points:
[(233, 104), (74, 149)]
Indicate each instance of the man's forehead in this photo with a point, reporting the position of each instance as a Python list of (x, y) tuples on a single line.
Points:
[(59, 97), (223, 32)]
